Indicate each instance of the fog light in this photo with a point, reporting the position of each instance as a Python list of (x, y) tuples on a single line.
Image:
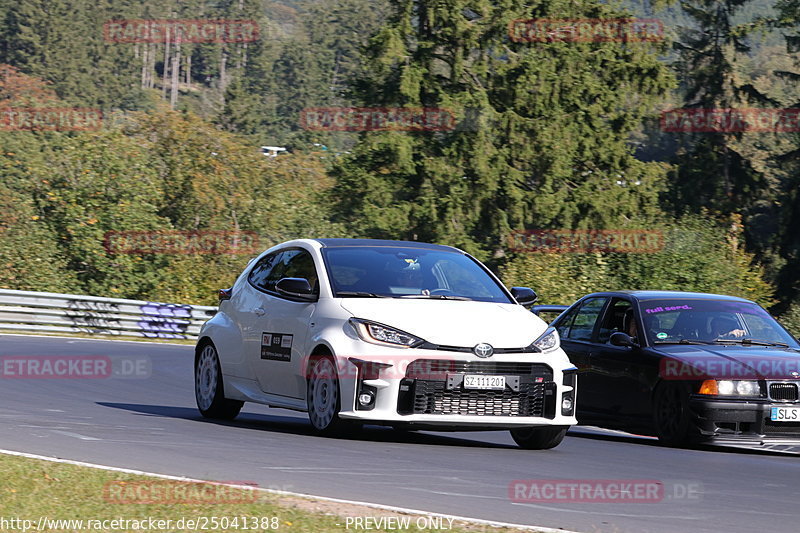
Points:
[(365, 398), (566, 404)]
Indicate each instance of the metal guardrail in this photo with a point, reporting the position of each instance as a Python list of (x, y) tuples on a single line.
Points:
[(69, 313)]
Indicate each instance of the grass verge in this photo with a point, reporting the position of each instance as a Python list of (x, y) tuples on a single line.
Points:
[(36, 494)]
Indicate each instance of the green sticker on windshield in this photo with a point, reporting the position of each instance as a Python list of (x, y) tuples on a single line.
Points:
[(661, 335)]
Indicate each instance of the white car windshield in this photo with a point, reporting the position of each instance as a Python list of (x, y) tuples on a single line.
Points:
[(361, 271)]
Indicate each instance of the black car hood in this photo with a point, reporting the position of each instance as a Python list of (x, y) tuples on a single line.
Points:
[(718, 361)]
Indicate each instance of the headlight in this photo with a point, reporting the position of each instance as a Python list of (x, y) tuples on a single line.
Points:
[(727, 387), (376, 333), (548, 342)]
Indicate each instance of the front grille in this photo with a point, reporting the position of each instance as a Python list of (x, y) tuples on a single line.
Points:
[(772, 428), (783, 391), (425, 368), (432, 398), (434, 387)]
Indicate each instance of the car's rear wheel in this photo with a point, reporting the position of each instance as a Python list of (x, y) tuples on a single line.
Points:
[(323, 399), (671, 413), (209, 391), (539, 438)]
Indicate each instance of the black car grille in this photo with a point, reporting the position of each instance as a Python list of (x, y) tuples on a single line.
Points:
[(783, 391), (424, 368), (431, 398), (434, 387), (772, 428)]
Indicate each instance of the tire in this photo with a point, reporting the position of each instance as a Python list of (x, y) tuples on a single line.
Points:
[(539, 438), (671, 418), (209, 391), (323, 400)]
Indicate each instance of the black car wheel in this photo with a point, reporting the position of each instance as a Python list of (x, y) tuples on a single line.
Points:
[(671, 413)]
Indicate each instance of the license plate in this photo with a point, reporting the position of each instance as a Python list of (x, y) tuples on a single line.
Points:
[(785, 414), (472, 381)]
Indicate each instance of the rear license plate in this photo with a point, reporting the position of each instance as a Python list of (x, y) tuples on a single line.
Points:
[(785, 414), (472, 381)]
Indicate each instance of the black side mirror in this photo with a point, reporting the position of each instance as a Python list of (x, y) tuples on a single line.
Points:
[(622, 339), (524, 296), (295, 288)]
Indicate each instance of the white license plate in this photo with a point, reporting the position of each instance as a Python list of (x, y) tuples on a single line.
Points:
[(785, 414), (472, 381)]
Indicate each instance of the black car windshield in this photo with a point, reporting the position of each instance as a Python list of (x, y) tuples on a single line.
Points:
[(361, 271), (711, 321)]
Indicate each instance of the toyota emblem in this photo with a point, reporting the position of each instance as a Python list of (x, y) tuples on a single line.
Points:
[(483, 350), (796, 374)]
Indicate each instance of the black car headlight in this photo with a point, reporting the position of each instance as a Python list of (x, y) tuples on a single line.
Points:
[(728, 387), (376, 333)]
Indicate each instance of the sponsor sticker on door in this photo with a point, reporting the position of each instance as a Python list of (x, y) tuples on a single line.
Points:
[(276, 346)]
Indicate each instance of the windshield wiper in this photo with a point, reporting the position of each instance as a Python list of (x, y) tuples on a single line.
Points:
[(355, 294), (754, 342), (435, 297), (684, 341)]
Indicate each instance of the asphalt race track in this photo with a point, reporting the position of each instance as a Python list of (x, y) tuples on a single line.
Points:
[(148, 421)]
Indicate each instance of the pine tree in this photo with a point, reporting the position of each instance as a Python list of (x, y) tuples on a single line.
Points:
[(542, 127), (711, 170)]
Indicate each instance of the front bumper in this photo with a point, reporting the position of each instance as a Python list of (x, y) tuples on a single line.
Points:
[(423, 388), (742, 422)]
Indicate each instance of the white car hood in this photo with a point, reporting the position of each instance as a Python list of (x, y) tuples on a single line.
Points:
[(453, 322)]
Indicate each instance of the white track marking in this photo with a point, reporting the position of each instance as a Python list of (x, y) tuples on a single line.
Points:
[(74, 435), (287, 493)]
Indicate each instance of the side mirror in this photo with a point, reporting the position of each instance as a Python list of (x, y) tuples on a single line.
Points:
[(622, 339), (295, 288), (524, 296), (225, 294)]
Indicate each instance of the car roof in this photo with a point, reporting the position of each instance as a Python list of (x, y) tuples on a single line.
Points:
[(338, 243), (666, 295)]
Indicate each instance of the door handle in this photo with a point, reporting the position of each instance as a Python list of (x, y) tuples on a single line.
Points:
[(260, 311)]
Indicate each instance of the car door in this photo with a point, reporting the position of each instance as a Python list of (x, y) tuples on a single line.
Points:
[(283, 325), (619, 375), (577, 329), (251, 303)]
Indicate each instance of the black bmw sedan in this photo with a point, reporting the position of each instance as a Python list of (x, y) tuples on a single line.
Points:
[(683, 366)]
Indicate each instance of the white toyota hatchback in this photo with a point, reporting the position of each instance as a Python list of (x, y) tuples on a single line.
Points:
[(396, 333)]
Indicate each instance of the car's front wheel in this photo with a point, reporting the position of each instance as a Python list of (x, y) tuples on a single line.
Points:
[(323, 399), (671, 413), (539, 438), (209, 391)]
